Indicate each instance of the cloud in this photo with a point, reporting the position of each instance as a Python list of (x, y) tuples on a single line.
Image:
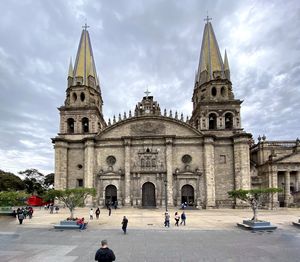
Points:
[(139, 45)]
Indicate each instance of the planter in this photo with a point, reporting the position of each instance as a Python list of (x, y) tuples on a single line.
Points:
[(256, 225)]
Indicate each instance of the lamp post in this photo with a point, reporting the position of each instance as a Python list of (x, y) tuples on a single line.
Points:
[(166, 194), (283, 185)]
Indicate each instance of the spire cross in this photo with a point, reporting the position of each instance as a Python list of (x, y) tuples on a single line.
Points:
[(207, 19), (85, 26), (147, 92)]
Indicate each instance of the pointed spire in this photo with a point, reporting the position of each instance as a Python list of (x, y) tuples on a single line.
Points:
[(210, 56), (71, 73), (84, 63), (226, 66), (92, 69)]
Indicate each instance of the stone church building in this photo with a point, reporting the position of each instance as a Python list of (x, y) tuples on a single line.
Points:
[(151, 157)]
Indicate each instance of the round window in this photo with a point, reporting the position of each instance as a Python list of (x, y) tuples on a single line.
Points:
[(186, 159), (111, 160)]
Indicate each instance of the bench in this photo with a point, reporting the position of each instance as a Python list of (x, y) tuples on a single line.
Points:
[(67, 224)]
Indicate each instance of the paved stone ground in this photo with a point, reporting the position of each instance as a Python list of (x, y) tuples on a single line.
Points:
[(210, 235)]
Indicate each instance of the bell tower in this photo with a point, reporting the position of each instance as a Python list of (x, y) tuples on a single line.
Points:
[(82, 113), (214, 105)]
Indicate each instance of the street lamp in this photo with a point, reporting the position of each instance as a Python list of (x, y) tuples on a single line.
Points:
[(284, 202), (166, 194)]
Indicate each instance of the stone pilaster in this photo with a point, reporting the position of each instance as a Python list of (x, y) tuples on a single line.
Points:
[(287, 192), (89, 153), (242, 163), (209, 170), (273, 183), (169, 160), (61, 165), (127, 193)]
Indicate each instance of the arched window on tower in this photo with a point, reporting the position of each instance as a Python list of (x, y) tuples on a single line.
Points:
[(228, 121), (212, 118), (85, 125), (70, 123)]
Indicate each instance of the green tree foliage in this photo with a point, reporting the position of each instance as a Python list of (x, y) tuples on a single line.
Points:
[(33, 181), (72, 198), (12, 198), (49, 180), (253, 197), (10, 182)]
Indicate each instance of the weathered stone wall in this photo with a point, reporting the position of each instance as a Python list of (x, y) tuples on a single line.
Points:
[(224, 171)]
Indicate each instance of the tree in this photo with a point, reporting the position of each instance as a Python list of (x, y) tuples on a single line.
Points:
[(10, 182), (33, 181), (72, 198), (49, 180), (12, 198), (253, 197)]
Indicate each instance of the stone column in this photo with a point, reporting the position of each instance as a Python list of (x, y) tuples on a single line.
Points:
[(242, 162), (61, 165), (209, 162), (297, 186), (169, 160), (127, 192), (287, 193), (273, 182), (89, 153)]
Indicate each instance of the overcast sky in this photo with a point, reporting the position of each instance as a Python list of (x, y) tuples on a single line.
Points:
[(139, 45)]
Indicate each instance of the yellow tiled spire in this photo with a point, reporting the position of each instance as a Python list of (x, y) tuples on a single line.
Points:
[(226, 66), (71, 72), (84, 64), (210, 56)]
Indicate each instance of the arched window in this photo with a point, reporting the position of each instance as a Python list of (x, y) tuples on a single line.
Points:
[(82, 96), (85, 125), (214, 91), (74, 95), (223, 91), (212, 118), (70, 123), (228, 121)]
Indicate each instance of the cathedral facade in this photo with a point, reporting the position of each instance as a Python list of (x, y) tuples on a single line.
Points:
[(151, 157)]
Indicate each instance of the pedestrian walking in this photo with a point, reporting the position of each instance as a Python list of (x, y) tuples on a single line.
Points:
[(97, 213), (21, 217), (91, 214), (124, 224), (183, 218), (51, 208), (109, 210), (167, 219), (176, 219), (104, 254)]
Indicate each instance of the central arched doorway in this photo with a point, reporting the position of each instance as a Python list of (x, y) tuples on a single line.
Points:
[(148, 195), (187, 195), (110, 195)]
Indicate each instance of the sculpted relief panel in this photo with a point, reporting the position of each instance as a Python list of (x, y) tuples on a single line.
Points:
[(147, 128)]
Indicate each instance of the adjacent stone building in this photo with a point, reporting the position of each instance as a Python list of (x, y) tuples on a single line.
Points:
[(149, 157)]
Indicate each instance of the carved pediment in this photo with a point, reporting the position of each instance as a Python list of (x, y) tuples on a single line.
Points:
[(293, 158), (147, 128)]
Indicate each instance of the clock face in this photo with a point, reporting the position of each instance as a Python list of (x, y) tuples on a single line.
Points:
[(147, 111)]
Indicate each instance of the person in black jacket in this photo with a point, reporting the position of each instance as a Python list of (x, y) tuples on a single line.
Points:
[(104, 254), (124, 224)]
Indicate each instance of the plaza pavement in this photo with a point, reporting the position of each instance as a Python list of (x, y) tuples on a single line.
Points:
[(210, 235)]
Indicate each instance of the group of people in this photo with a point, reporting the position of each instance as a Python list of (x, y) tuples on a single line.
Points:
[(23, 212), (177, 217), (51, 208)]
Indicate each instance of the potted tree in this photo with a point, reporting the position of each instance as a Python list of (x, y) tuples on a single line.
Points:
[(254, 197)]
